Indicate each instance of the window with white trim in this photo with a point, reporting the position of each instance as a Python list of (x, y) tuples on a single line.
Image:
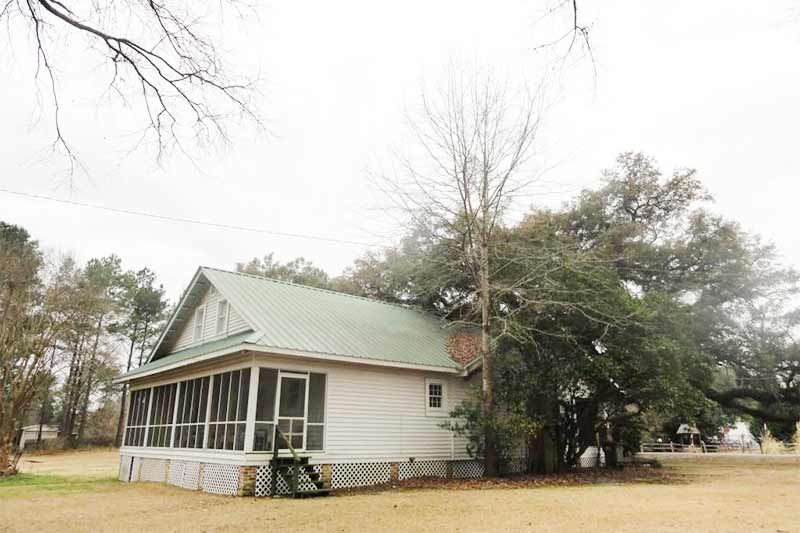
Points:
[(199, 319), (435, 397), (190, 423), (222, 317)]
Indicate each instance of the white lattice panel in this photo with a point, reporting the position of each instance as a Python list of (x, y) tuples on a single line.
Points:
[(423, 469), (346, 475), (263, 480), (589, 457), (467, 469), (184, 474), (136, 465), (153, 470), (125, 462), (176, 471), (516, 465), (191, 476), (221, 479)]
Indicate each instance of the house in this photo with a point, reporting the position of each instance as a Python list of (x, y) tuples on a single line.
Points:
[(360, 390), (29, 435)]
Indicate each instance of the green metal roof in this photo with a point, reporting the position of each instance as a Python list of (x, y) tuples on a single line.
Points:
[(287, 316), (305, 318), (192, 352)]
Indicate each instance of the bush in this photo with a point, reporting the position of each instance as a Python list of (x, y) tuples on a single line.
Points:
[(770, 445)]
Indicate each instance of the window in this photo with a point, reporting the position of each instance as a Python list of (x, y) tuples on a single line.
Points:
[(162, 414), (190, 423), (199, 318), (137, 417), (229, 394), (436, 400), (222, 317)]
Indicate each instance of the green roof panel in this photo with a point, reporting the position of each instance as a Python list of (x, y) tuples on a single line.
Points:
[(289, 316)]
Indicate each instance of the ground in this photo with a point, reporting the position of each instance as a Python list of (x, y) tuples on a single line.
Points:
[(78, 492)]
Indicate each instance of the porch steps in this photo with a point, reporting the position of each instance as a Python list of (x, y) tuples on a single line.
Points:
[(291, 470)]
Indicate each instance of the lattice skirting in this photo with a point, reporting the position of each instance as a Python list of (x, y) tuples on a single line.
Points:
[(231, 480), (221, 479), (184, 474), (264, 481), (589, 457), (349, 475), (125, 462), (153, 470), (467, 469)]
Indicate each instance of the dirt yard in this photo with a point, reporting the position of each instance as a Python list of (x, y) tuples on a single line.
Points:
[(77, 492)]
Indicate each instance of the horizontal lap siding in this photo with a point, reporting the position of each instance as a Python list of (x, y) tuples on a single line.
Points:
[(379, 415), (236, 324)]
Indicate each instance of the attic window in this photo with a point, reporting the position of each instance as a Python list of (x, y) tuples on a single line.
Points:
[(436, 397), (222, 317), (199, 318)]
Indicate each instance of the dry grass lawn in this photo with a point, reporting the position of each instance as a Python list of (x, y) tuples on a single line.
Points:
[(77, 492)]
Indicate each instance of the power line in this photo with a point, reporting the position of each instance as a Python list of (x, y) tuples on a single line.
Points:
[(182, 220)]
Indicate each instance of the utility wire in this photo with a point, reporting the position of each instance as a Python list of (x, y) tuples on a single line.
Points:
[(156, 216)]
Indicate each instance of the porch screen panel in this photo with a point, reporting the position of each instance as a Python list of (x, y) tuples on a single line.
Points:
[(315, 425), (162, 413), (265, 409), (226, 429), (190, 424), (137, 417)]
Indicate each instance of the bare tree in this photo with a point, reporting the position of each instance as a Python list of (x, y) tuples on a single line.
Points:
[(155, 50), (475, 137), (29, 325)]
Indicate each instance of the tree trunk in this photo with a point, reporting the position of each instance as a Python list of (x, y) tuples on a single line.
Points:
[(87, 392), (543, 449), (5, 452), (491, 466)]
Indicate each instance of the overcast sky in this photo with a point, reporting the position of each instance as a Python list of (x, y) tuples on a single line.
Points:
[(708, 85)]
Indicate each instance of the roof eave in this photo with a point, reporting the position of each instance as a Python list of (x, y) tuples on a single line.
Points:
[(249, 346)]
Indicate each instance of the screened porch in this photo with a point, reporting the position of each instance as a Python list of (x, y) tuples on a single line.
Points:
[(237, 410)]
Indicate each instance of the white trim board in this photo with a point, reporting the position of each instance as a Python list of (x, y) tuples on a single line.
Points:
[(255, 348)]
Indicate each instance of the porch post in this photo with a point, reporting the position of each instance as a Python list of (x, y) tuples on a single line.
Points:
[(252, 398)]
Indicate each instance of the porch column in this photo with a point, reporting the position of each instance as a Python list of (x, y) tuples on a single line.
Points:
[(252, 398)]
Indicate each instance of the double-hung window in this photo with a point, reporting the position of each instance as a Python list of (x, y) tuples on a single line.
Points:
[(199, 322), (435, 397), (222, 317)]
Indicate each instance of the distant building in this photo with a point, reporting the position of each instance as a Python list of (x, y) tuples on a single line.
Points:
[(30, 434)]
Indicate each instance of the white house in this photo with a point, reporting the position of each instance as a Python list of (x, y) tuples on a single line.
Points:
[(359, 388)]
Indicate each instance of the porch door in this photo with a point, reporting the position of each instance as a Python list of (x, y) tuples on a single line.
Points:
[(292, 409)]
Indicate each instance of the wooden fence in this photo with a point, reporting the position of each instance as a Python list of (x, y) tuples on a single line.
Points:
[(715, 447)]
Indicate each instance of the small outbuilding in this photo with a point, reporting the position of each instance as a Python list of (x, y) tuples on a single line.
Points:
[(30, 434), (688, 435)]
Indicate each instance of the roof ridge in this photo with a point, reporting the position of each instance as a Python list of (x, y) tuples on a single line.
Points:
[(329, 291)]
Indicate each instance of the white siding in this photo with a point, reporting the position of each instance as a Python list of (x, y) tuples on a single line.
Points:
[(236, 323), (372, 414)]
